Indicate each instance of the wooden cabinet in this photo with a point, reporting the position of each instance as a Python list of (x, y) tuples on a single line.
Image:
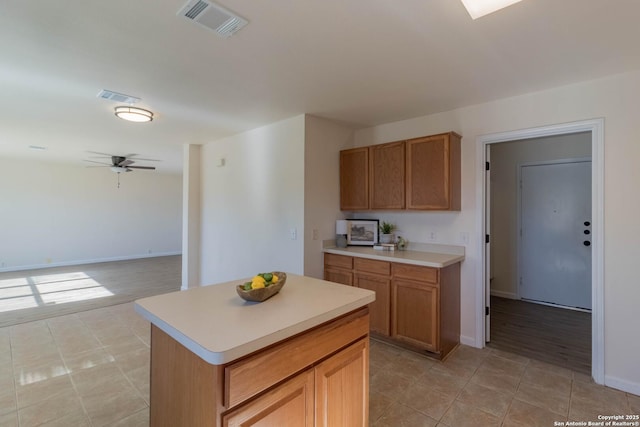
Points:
[(433, 172), (333, 393), (417, 174), (374, 276), (338, 269), (387, 176), (290, 404), (416, 313), (379, 309), (354, 179), (415, 305), (434, 293), (317, 378), (342, 386)]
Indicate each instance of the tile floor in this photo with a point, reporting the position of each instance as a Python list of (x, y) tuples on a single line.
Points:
[(92, 369)]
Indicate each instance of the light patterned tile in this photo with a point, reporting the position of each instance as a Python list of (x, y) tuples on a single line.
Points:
[(50, 409), (422, 398), (138, 419), (36, 389), (442, 383), (544, 398), (524, 414), (486, 399), (460, 414), (549, 381), (10, 419), (378, 405), (402, 416)]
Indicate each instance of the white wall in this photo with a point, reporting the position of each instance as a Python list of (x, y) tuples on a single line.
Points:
[(191, 216), (323, 141), (59, 214), (505, 158), (615, 99), (251, 204)]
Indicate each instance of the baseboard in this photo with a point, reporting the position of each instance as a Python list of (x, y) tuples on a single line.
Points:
[(470, 341), (623, 385), (87, 261), (501, 294)]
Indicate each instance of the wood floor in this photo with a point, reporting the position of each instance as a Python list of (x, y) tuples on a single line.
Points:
[(31, 295), (554, 335)]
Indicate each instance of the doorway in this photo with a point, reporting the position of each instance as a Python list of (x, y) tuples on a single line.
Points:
[(594, 132), (554, 242)]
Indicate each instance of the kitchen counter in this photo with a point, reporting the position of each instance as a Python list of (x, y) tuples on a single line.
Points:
[(217, 325), (219, 360), (438, 256)]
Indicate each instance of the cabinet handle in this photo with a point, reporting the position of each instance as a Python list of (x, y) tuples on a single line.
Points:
[(586, 243)]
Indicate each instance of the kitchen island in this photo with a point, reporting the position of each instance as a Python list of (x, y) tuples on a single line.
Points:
[(300, 358)]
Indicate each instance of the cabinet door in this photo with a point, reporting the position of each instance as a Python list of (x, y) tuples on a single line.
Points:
[(415, 312), (433, 172), (342, 388), (338, 275), (386, 165), (354, 179), (288, 405), (379, 310)]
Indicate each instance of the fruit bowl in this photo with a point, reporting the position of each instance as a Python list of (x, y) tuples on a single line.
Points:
[(262, 294)]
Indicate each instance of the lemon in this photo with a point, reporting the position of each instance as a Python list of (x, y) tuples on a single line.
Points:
[(257, 282), (257, 285), (274, 279)]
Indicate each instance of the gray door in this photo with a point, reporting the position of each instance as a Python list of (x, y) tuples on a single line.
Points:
[(555, 242)]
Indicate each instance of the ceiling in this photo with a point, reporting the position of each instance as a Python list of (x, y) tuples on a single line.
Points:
[(363, 62)]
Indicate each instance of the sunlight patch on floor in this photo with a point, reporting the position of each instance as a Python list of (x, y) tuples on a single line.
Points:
[(34, 291)]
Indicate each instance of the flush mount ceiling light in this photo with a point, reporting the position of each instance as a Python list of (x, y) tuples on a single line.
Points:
[(480, 8), (134, 114)]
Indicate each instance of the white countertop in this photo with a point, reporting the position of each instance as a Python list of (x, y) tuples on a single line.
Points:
[(219, 326), (423, 258)]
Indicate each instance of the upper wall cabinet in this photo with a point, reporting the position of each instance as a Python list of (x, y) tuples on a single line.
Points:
[(418, 174), (433, 172), (386, 176), (354, 179)]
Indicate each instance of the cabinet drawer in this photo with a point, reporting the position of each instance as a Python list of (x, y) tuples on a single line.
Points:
[(416, 272), (248, 377), (340, 261), (372, 266)]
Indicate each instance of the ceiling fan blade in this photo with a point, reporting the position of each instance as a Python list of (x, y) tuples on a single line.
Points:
[(102, 154), (125, 163), (100, 163), (148, 160), (142, 167), (105, 166)]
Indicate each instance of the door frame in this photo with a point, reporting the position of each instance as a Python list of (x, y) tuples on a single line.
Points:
[(521, 165), (596, 127)]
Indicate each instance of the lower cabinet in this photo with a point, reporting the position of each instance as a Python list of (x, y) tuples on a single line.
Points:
[(379, 309), (338, 269), (415, 305), (416, 314), (342, 388), (317, 378), (290, 404), (334, 393)]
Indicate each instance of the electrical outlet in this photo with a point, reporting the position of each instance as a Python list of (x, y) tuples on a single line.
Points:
[(315, 234), (293, 234), (432, 236)]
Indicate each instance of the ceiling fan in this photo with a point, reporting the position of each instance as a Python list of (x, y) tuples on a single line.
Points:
[(120, 164)]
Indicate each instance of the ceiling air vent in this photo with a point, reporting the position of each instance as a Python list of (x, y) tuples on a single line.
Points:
[(117, 97), (213, 16)]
